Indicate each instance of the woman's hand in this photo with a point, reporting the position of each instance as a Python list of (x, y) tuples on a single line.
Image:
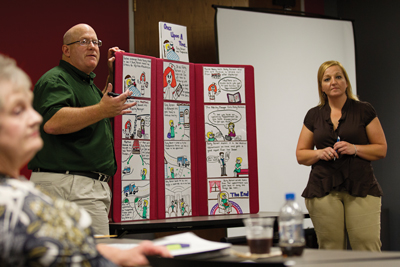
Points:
[(135, 256), (327, 154), (343, 147), (305, 152), (376, 149)]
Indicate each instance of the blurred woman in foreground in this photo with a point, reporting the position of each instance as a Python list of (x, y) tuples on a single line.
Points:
[(37, 229)]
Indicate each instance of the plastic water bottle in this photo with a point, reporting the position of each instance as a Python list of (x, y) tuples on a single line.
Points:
[(291, 232)]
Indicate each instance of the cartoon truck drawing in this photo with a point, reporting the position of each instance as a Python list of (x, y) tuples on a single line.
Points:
[(183, 161), (126, 170), (130, 189)]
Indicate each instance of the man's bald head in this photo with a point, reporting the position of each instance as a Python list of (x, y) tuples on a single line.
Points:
[(74, 32), (84, 57)]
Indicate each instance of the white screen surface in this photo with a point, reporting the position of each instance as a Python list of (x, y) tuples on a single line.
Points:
[(286, 52)]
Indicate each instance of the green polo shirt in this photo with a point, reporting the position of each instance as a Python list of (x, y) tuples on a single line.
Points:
[(90, 149)]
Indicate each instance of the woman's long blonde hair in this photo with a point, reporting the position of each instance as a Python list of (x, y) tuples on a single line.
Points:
[(324, 66)]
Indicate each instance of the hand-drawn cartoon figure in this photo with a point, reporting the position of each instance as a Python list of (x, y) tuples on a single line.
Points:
[(142, 124), (169, 83), (231, 131), (238, 166), (145, 204), (222, 162), (224, 205), (213, 91), (210, 136), (171, 133), (172, 173), (128, 129), (130, 84), (173, 205), (169, 51), (143, 173), (173, 208), (143, 83), (183, 207)]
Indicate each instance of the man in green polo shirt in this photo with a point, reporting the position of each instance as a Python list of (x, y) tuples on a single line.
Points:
[(78, 158)]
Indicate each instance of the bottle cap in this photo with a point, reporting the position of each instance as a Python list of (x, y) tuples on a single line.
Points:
[(290, 196)]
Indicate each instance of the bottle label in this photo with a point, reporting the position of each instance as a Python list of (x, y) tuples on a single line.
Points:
[(291, 232)]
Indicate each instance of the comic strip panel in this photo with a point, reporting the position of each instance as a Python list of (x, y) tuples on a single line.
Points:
[(137, 76), (177, 162), (225, 123), (176, 121), (178, 198), (135, 160), (228, 159), (224, 85), (176, 81), (136, 125), (135, 200), (228, 196)]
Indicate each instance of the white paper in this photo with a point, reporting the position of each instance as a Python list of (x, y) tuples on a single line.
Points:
[(196, 244)]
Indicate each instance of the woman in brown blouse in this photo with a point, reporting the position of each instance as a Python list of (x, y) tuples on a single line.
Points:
[(339, 139)]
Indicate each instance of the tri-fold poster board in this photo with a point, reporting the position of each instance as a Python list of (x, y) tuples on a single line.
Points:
[(188, 147)]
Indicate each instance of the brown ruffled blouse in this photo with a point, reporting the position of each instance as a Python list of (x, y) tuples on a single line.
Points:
[(348, 173)]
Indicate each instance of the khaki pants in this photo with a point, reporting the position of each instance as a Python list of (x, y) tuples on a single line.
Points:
[(92, 195), (339, 213)]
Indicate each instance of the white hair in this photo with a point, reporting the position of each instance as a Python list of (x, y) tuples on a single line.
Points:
[(11, 73)]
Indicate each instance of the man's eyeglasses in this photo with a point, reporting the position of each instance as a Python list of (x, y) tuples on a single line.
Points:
[(86, 42)]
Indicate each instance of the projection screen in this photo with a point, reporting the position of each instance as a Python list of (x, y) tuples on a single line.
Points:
[(286, 52)]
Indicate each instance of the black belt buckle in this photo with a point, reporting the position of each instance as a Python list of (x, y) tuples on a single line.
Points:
[(103, 177)]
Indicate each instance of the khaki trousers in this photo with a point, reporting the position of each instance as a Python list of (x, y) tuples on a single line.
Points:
[(339, 213), (92, 195)]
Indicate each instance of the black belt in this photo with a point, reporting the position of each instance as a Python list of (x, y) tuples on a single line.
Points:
[(94, 175)]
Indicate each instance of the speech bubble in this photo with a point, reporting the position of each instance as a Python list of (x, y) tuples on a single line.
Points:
[(230, 84), (145, 150), (224, 117)]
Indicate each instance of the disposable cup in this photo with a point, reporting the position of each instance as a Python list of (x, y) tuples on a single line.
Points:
[(259, 233)]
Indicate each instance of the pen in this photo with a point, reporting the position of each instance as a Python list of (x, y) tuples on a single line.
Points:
[(115, 95), (337, 140), (176, 246), (104, 236)]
